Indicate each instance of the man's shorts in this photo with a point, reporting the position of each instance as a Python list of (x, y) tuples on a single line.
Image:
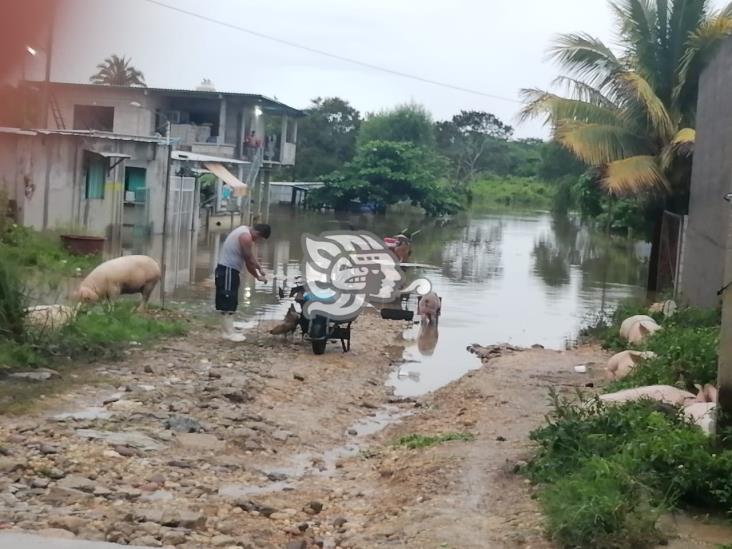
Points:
[(227, 288)]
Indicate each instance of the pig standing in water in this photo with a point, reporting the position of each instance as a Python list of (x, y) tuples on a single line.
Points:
[(130, 274), (429, 307)]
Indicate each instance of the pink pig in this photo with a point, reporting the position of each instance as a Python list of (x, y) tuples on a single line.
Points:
[(429, 307)]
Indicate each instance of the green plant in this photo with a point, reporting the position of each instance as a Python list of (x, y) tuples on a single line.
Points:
[(605, 472), (601, 506), (512, 192), (415, 441), (12, 304), (94, 333), (41, 252)]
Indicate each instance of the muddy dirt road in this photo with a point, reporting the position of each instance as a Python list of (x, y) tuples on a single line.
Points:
[(198, 443)]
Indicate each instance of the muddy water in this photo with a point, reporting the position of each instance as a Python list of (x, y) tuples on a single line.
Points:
[(519, 278)]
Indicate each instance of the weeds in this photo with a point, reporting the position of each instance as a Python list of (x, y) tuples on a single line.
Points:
[(42, 252), (607, 472), (94, 333), (512, 192), (12, 304), (414, 442)]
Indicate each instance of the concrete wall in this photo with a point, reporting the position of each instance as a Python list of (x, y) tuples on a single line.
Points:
[(128, 119), (64, 188), (709, 214)]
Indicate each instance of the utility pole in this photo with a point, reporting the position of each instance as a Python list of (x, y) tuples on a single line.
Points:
[(47, 77), (724, 375)]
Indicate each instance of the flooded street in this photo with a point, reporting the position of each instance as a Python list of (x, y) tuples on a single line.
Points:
[(519, 278)]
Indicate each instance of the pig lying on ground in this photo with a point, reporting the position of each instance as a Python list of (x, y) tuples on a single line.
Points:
[(636, 328), (429, 307), (662, 393), (702, 414), (129, 274), (621, 364)]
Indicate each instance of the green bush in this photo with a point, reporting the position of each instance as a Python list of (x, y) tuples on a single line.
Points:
[(12, 303), (607, 471), (600, 506)]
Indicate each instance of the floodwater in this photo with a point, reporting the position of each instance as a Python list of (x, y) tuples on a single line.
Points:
[(503, 277)]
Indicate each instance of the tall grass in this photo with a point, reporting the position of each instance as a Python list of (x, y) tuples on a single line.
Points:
[(512, 192), (12, 304)]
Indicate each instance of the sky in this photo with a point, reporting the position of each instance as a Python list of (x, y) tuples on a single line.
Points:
[(496, 47)]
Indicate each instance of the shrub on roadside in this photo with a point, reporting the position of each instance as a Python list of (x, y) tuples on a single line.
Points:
[(606, 472), (95, 333)]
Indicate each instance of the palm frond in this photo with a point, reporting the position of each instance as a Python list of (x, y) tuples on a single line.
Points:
[(633, 175), (681, 146), (640, 95), (582, 91), (557, 109), (638, 33), (598, 144), (585, 57)]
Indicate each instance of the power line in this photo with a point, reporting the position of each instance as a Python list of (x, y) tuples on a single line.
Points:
[(330, 54)]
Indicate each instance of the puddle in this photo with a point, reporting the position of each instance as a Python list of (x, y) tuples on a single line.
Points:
[(321, 464)]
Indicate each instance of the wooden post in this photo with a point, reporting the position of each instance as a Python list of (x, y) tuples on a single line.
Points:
[(724, 379)]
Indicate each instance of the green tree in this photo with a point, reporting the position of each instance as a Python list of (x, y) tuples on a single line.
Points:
[(117, 71), (557, 162), (632, 114), (470, 138), (408, 123), (386, 172), (326, 137)]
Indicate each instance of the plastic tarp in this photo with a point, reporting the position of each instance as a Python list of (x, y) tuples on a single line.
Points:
[(240, 189)]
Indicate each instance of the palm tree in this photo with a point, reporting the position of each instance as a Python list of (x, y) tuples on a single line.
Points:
[(117, 71), (632, 115)]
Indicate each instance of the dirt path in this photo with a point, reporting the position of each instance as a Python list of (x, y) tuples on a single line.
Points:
[(286, 449)]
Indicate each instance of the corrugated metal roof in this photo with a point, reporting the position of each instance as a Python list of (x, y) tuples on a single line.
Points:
[(86, 134), (265, 102), (111, 154), (196, 157)]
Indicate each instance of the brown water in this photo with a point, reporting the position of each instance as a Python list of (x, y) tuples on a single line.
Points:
[(519, 278)]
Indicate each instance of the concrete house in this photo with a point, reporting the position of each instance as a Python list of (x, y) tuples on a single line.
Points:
[(56, 179), (200, 121)]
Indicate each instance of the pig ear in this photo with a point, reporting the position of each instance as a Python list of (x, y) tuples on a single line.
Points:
[(699, 387)]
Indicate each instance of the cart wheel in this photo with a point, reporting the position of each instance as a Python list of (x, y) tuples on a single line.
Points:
[(319, 346)]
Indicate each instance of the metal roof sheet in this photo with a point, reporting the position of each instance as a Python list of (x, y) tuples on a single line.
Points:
[(186, 156), (263, 100), (86, 134)]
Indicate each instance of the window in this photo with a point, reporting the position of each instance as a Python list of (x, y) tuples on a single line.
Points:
[(135, 184), (91, 117), (96, 174), (291, 130)]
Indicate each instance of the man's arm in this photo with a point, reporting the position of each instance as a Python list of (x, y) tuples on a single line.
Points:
[(253, 266)]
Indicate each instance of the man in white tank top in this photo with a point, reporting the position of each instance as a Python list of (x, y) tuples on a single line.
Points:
[(237, 252)]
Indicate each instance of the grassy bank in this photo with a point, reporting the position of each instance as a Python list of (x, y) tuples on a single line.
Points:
[(606, 473), (41, 253), (94, 333), (512, 192)]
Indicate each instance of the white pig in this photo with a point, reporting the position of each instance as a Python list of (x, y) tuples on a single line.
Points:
[(429, 307), (621, 364), (662, 393), (668, 307), (630, 321), (130, 274)]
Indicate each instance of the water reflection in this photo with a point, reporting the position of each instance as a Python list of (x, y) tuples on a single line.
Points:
[(522, 279)]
